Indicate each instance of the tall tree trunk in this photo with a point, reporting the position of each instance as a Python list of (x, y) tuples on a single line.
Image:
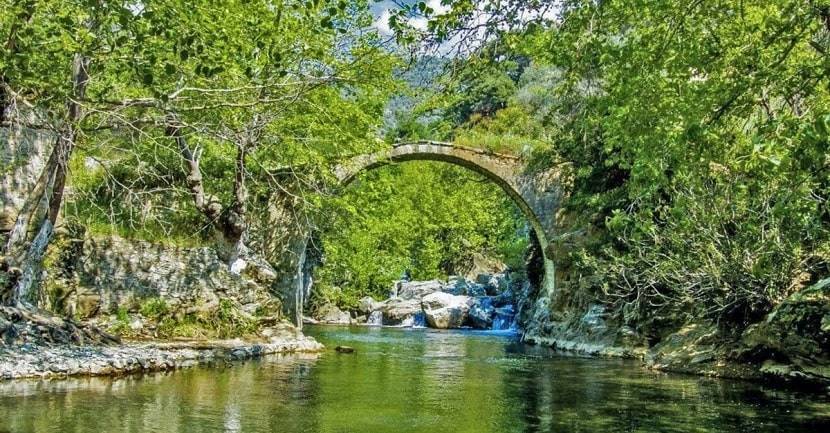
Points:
[(31, 264), (234, 224), (21, 227)]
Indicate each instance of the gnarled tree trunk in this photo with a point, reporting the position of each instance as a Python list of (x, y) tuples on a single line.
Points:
[(229, 222)]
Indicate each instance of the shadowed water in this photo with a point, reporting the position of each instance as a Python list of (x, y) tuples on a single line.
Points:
[(411, 381)]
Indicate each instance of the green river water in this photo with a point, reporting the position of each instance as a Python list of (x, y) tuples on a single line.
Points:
[(411, 381)]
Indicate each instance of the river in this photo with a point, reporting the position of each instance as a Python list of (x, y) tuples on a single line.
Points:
[(402, 380)]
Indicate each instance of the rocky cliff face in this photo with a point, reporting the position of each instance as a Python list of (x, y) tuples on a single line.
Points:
[(23, 154)]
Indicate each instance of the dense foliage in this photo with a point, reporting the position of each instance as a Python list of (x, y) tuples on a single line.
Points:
[(695, 136), (251, 88), (698, 140)]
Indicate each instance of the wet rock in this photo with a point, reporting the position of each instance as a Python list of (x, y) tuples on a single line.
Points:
[(476, 290), (400, 312), (418, 289), (481, 313), (239, 354), (594, 317), (506, 297), (375, 318), (443, 310), (493, 284), (344, 349), (367, 305), (504, 318), (63, 361), (456, 286)]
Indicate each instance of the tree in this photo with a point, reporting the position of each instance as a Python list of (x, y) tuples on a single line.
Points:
[(686, 127), (193, 75)]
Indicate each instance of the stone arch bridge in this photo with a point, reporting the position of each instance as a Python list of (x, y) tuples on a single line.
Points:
[(537, 194)]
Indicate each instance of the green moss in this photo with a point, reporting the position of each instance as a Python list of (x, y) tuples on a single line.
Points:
[(225, 321), (154, 308), (121, 326)]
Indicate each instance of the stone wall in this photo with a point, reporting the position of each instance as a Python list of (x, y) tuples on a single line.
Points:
[(98, 275)]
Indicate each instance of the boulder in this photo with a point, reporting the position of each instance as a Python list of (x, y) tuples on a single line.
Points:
[(137, 324), (444, 310), (375, 318), (504, 298), (476, 290), (455, 286), (463, 287), (367, 305), (418, 289), (332, 315), (400, 312)]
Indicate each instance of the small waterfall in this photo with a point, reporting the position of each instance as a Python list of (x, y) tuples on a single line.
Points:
[(419, 320), (375, 318), (504, 319)]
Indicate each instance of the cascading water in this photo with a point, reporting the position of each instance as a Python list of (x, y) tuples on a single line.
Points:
[(375, 319), (504, 319), (419, 320)]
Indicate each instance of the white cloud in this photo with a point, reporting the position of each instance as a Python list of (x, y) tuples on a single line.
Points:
[(382, 23), (382, 13)]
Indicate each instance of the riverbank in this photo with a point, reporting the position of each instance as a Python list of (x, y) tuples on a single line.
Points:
[(37, 344), (790, 345), (31, 361)]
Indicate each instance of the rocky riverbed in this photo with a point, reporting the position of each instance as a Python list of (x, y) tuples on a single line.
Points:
[(486, 302)]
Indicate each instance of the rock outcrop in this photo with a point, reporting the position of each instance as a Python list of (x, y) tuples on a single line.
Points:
[(332, 315), (444, 310), (482, 313), (95, 275), (418, 289), (367, 305), (793, 342)]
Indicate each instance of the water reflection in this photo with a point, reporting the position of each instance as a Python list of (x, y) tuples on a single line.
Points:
[(410, 381)]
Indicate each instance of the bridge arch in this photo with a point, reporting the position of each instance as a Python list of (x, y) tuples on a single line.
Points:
[(506, 171)]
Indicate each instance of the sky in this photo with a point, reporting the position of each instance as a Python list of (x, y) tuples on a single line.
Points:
[(381, 12)]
